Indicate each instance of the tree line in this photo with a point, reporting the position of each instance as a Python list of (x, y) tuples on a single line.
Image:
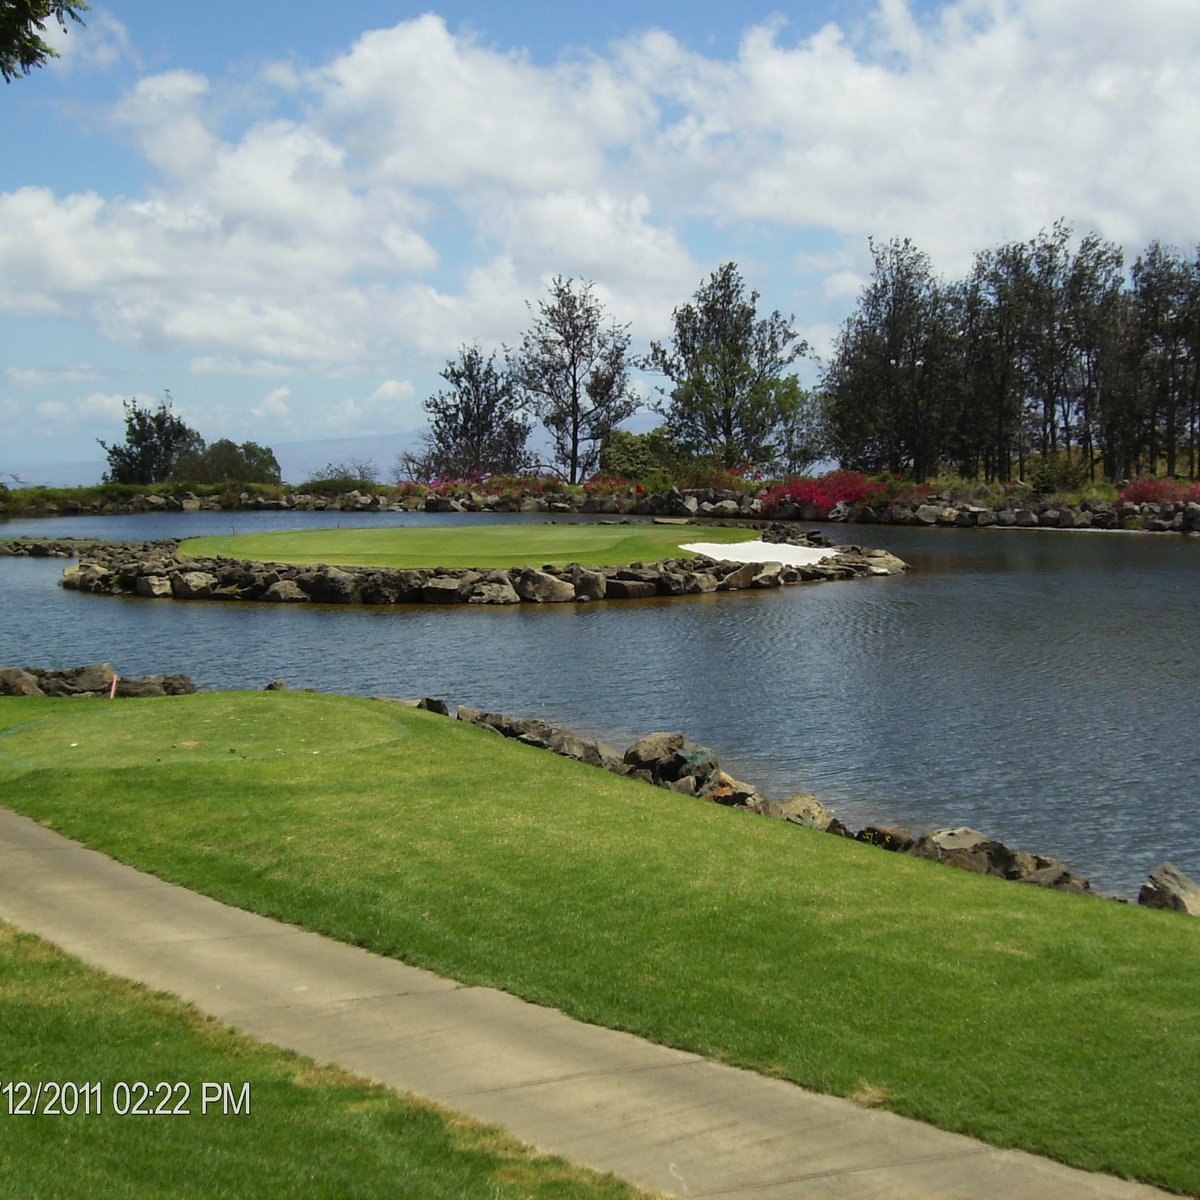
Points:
[(1048, 351), (728, 395)]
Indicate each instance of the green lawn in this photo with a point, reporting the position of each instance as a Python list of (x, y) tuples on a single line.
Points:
[(506, 545), (1063, 1025), (310, 1132)]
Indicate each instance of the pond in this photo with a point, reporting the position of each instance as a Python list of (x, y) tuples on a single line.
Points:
[(1038, 685)]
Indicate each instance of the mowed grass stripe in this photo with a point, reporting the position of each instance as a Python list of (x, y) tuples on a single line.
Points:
[(1062, 1025), (508, 545), (310, 1132)]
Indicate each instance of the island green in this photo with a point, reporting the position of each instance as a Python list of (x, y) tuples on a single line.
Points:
[(484, 545)]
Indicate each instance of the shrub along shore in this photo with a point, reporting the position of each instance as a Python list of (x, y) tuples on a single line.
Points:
[(843, 496), (1022, 1015)]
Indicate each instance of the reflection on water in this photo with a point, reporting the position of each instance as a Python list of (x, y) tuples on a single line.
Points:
[(1040, 686)]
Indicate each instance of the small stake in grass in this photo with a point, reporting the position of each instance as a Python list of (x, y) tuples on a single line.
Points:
[(112, 691)]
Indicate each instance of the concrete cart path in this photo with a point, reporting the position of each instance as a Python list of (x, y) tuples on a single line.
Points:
[(667, 1120)]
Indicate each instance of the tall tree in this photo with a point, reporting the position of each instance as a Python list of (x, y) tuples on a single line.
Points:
[(476, 426), (572, 369), (155, 439), (890, 389), (732, 398), (22, 22)]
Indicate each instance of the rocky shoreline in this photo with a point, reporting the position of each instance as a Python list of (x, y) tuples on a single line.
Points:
[(670, 760), (719, 503), (156, 570)]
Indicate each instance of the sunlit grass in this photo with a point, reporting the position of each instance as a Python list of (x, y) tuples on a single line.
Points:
[(499, 545), (1021, 1016), (310, 1131)]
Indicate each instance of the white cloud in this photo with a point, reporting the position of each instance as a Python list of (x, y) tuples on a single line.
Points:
[(40, 377), (101, 44), (367, 217)]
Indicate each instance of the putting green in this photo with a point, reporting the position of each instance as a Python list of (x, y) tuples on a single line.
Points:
[(100, 733), (491, 545)]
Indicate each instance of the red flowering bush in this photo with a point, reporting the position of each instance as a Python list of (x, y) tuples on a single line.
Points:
[(1160, 489), (823, 492), (605, 485)]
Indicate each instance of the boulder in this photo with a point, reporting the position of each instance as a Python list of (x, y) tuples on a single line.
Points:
[(433, 705), (966, 848), (647, 753), (495, 588), (630, 589), (722, 788), (285, 591), (331, 585), (739, 576), (156, 685), (585, 750), (15, 682), (193, 585), (800, 808), (927, 514), (589, 585), (153, 587), (1059, 879), (770, 576), (1168, 887), (890, 837), (541, 588), (441, 589)]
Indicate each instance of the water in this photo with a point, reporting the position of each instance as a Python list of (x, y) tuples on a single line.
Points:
[(1040, 686)]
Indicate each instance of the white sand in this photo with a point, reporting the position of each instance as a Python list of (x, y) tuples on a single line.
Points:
[(762, 552)]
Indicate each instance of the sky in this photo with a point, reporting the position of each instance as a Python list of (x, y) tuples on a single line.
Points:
[(289, 216)]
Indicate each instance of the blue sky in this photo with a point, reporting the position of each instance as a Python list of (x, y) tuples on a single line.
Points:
[(290, 215)]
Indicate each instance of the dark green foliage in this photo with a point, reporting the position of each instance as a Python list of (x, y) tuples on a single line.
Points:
[(730, 398), (635, 455), (21, 24), (477, 427), (1044, 353), (224, 462), (572, 370), (155, 440)]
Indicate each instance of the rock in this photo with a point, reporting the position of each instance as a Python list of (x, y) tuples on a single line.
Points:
[(800, 808), (966, 848), (430, 704), (928, 514), (15, 682), (193, 585), (769, 576), (585, 750), (589, 585), (331, 585), (739, 576), (541, 588), (276, 685), (156, 685), (890, 837), (724, 789), (495, 588), (1058, 878), (647, 753), (285, 591), (630, 589), (153, 587), (441, 589), (1168, 887)]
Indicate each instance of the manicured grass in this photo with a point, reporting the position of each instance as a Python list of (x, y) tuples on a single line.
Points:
[(310, 1132), (466, 545), (1063, 1025)]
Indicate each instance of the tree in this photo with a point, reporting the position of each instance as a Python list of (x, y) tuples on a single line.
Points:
[(21, 24), (476, 427), (731, 399), (890, 390), (224, 462), (155, 439), (572, 370)]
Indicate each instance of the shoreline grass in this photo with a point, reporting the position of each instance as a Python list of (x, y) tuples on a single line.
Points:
[(411, 546), (1056, 1024), (311, 1131)]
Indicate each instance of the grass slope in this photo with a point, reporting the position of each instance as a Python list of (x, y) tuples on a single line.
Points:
[(1058, 1024), (465, 545), (311, 1131)]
